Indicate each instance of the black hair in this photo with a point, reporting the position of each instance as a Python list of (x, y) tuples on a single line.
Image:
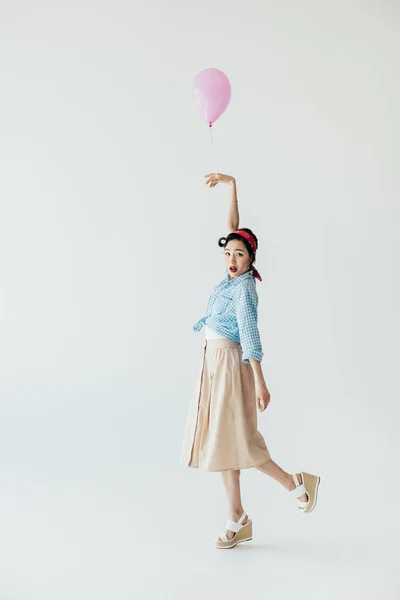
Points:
[(223, 241)]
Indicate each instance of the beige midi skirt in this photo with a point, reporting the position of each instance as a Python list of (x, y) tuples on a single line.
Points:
[(221, 426)]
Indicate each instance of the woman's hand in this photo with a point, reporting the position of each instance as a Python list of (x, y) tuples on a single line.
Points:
[(214, 179), (263, 397)]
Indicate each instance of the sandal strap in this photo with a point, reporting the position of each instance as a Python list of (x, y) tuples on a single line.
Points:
[(242, 518), (232, 526), (302, 504), (296, 479), (298, 491), (223, 537)]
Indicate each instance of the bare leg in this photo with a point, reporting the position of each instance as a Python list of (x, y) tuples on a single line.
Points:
[(231, 481), (276, 472)]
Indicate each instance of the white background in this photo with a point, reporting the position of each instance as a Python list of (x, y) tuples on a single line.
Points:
[(108, 250)]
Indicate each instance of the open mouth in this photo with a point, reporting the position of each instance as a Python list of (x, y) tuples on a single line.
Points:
[(233, 269)]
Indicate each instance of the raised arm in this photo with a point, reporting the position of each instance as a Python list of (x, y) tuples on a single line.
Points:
[(233, 210)]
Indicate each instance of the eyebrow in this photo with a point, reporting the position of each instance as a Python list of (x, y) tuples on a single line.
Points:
[(240, 249)]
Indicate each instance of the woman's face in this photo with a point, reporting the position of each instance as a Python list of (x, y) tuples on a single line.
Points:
[(236, 255)]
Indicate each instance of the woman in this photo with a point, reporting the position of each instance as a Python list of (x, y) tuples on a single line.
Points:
[(221, 428)]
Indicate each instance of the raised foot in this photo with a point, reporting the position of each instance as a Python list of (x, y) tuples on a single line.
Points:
[(304, 497)]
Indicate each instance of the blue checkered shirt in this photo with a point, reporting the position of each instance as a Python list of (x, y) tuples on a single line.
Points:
[(232, 312)]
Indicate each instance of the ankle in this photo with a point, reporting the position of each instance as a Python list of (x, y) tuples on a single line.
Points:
[(290, 484), (236, 514)]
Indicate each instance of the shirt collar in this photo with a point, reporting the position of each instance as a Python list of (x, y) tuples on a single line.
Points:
[(242, 276)]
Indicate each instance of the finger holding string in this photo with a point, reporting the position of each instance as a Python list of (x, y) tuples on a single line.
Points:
[(212, 179)]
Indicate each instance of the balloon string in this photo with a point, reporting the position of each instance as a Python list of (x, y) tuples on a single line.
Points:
[(213, 149)]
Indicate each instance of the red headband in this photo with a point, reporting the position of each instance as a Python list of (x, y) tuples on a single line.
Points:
[(247, 236)]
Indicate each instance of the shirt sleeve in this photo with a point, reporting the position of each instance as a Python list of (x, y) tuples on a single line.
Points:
[(247, 315)]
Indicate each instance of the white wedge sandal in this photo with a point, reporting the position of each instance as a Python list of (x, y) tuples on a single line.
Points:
[(310, 487), (243, 533)]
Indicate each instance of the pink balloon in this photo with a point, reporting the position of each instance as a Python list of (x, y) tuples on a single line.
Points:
[(211, 94)]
